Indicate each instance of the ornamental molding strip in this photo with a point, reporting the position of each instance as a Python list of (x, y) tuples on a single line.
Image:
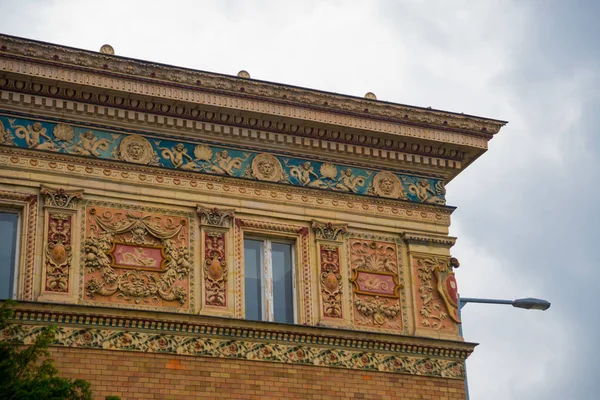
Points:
[(238, 340), (160, 81), (219, 185), (447, 241), (200, 157)]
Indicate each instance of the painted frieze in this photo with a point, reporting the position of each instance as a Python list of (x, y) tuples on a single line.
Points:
[(214, 159), (437, 299), (136, 257), (375, 272)]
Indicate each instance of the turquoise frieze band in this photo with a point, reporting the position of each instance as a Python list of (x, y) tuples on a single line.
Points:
[(67, 138)]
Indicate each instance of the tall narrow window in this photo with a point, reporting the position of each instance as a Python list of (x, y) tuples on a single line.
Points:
[(9, 227), (269, 280)]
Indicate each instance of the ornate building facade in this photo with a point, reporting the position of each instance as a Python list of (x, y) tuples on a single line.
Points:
[(196, 235)]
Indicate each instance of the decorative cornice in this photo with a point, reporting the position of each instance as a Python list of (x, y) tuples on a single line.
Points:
[(217, 337), (60, 197), (426, 238), (441, 151), (152, 73)]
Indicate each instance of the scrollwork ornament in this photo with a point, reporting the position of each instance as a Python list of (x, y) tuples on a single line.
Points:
[(329, 230), (215, 216), (113, 236), (60, 197)]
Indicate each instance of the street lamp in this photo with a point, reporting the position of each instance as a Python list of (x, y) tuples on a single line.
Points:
[(527, 304)]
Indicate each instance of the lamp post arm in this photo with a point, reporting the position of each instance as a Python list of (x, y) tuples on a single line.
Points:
[(464, 300)]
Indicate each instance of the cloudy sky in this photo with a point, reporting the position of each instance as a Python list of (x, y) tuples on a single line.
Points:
[(527, 219)]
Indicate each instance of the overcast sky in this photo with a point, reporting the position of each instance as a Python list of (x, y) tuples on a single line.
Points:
[(527, 217)]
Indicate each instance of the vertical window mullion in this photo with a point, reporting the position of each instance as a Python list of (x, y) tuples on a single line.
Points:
[(268, 281)]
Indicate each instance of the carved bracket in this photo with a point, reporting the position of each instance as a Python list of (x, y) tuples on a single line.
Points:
[(215, 216), (60, 198), (329, 231)]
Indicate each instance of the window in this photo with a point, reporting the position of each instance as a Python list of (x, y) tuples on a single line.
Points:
[(9, 227), (269, 280)]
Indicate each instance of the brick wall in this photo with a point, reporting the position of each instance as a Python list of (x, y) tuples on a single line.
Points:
[(158, 376)]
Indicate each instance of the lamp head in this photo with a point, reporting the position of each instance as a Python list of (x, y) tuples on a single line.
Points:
[(531, 304)]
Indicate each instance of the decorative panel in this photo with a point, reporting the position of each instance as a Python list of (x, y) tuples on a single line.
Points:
[(437, 292), (59, 253), (375, 274), (215, 227), (330, 238), (60, 217), (137, 257), (214, 159)]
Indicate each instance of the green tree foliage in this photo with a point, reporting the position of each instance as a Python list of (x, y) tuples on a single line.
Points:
[(26, 372)]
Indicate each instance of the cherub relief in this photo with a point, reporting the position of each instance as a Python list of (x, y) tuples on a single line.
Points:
[(33, 135), (422, 189), (305, 173), (225, 164), (89, 145), (177, 155), (347, 182)]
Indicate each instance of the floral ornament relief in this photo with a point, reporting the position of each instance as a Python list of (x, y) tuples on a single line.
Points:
[(157, 275), (215, 269), (374, 270), (331, 281), (437, 300), (59, 252)]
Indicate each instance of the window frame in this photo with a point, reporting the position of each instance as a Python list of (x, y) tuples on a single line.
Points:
[(6, 208), (267, 275)]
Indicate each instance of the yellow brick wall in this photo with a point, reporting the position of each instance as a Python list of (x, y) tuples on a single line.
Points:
[(158, 376)]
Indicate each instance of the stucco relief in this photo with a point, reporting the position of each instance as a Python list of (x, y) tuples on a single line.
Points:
[(136, 256), (437, 300), (59, 252), (65, 138), (374, 273)]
